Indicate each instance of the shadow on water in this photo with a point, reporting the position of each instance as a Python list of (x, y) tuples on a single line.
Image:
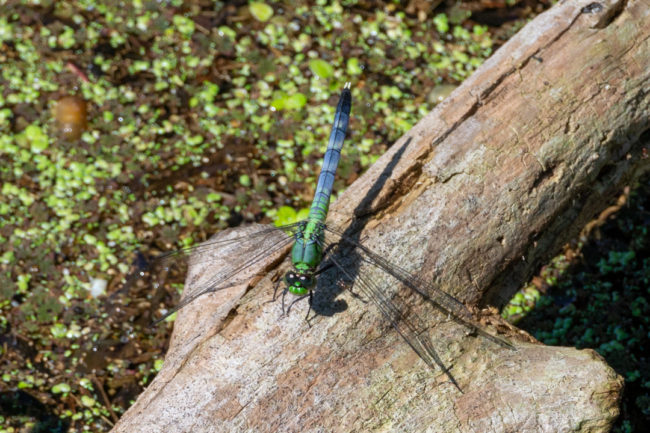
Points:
[(14, 404), (330, 286)]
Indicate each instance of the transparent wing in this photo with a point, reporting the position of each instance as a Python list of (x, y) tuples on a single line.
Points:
[(205, 250), (407, 323), (227, 258), (439, 299)]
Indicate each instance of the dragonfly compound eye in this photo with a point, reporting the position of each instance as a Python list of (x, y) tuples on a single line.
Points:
[(292, 279), (306, 281)]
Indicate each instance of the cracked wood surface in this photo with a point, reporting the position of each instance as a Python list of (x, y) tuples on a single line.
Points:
[(474, 197)]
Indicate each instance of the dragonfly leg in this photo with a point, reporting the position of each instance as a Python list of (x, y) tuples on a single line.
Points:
[(284, 293), (311, 298), (299, 298), (275, 292)]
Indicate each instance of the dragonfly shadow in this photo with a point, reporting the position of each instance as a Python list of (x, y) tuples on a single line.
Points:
[(331, 283)]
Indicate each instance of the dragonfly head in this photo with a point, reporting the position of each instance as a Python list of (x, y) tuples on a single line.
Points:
[(299, 282)]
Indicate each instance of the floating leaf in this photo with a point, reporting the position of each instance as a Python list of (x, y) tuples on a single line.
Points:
[(295, 101), (37, 138), (321, 68), (302, 214), (278, 103), (441, 23), (286, 215), (87, 401), (245, 180), (353, 66), (289, 102), (261, 11), (61, 388), (184, 25)]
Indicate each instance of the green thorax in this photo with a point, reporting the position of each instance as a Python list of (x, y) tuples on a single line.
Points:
[(306, 254)]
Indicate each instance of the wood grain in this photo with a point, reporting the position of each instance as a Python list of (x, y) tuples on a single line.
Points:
[(475, 197)]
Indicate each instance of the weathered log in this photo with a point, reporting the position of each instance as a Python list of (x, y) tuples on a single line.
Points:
[(474, 198)]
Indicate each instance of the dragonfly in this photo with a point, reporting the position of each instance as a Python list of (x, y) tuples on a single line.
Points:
[(317, 246)]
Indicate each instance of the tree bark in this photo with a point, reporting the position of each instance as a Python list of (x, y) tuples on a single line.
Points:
[(474, 198)]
